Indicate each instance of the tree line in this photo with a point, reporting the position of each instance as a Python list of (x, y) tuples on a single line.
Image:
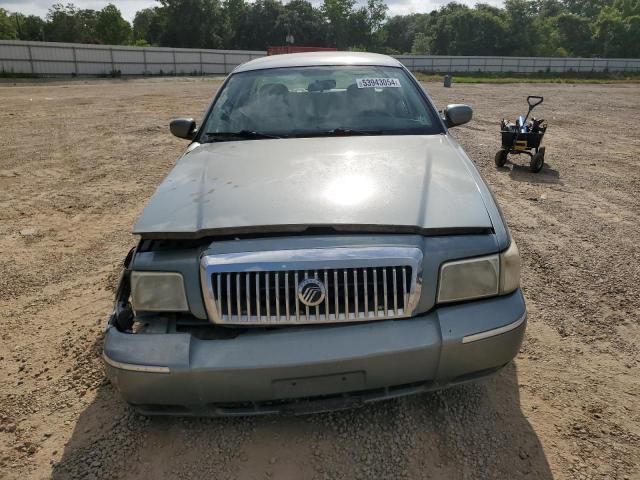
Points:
[(583, 28)]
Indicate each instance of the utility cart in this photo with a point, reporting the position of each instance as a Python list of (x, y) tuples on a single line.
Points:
[(523, 138)]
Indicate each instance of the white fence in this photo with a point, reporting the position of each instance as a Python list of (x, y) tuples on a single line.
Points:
[(47, 58), (426, 63)]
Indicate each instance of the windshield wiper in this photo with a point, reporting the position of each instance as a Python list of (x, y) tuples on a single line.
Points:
[(339, 132), (242, 134)]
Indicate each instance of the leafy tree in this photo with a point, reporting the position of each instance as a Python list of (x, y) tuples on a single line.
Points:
[(587, 8), (618, 29), (29, 27), (421, 43), (141, 42), (65, 23), (521, 27), (376, 14), (337, 13), (86, 22), (61, 23), (263, 26), (149, 25), (192, 23), (400, 32), (466, 31), (7, 26), (549, 8), (110, 27), (358, 30), (627, 8), (574, 34), (521, 32), (304, 22), (441, 30), (236, 12), (495, 11)]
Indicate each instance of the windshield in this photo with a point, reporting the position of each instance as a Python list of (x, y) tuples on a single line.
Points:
[(316, 101)]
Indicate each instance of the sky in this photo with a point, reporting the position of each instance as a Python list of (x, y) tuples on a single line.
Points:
[(130, 7)]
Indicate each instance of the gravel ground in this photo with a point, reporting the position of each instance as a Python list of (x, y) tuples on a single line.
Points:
[(79, 160)]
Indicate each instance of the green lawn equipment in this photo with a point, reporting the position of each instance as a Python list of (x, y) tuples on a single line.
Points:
[(522, 137)]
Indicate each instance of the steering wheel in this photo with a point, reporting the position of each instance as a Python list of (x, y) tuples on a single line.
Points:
[(244, 119)]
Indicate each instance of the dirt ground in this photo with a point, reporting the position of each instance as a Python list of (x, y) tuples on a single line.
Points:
[(79, 160)]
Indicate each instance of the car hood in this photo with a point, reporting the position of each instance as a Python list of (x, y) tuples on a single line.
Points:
[(417, 184)]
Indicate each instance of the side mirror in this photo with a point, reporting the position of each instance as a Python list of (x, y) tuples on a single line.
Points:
[(457, 114), (183, 127)]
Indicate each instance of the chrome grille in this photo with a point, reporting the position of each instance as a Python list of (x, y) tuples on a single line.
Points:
[(360, 284)]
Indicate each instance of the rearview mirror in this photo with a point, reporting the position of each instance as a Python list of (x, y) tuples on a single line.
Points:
[(183, 127), (322, 85), (457, 114)]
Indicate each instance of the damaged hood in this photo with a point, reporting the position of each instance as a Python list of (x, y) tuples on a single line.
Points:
[(415, 184)]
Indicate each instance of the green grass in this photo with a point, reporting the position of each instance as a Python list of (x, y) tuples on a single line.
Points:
[(599, 77), (4, 74)]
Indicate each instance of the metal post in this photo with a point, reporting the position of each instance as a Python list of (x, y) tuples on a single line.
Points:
[(175, 68), (144, 59), (113, 65), (224, 60), (75, 61), (30, 60), (201, 67)]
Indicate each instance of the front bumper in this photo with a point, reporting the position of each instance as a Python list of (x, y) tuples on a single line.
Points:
[(329, 367)]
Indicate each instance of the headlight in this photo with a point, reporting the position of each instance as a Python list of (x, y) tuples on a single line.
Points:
[(158, 292), (509, 269), (467, 279), (480, 277)]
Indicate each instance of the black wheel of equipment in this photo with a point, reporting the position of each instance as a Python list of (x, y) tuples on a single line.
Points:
[(501, 157), (537, 161)]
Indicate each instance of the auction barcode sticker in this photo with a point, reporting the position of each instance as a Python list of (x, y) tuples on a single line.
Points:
[(378, 82)]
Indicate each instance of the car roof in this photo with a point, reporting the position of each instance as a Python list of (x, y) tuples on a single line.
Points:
[(311, 59)]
